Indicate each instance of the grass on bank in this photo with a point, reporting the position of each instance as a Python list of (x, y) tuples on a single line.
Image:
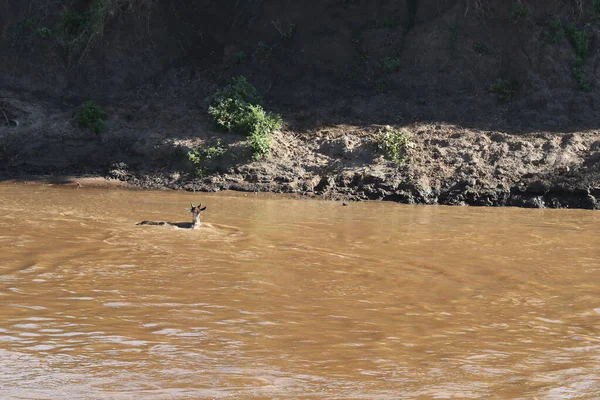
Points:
[(236, 108)]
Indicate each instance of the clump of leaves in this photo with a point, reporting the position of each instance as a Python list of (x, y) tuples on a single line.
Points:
[(596, 7), (395, 144), (580, 41), (201, 157), (239, 57), (391, 64), (518, 12), (91, 116), (236, 108), (229, 106), (263, 50), (504, 90), (70, 22), (480, 48), (263, 124), (289, 34), (582, 83), (554, 31), (44, 32), (380, 85)]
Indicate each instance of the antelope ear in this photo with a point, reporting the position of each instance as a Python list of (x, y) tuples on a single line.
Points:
[(203, 208)]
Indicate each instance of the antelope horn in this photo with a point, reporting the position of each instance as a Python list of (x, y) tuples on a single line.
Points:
[(191, 204)]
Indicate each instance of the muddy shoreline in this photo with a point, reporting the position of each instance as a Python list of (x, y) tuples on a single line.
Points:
[(447, 165)]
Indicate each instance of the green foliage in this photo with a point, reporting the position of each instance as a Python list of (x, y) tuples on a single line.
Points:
[(236, 108), (70, 22), (554, 31), (260, 137), (44, 32), (290, 32), (380, 85), (454, 32), (504, 91), (201, 157), (411, 12), (596, 7), (91, 116), (391, 64), (580, 41), (582, 83), (229, 106), (395, 144), (518, 12), (263, 50), (480, 48), (239, 57)]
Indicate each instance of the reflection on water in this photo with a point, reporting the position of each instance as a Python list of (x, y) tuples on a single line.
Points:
[(293, 299)]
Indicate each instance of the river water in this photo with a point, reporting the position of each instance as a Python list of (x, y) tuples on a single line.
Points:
[(280, 298)]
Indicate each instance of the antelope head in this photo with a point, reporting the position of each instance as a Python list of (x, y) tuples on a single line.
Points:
[(196, 210)]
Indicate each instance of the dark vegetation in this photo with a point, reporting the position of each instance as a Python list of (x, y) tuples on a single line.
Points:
[(320, 58), (205, 86)]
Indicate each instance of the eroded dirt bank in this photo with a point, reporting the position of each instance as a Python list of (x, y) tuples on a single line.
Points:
[(446, 164), (499, 98)]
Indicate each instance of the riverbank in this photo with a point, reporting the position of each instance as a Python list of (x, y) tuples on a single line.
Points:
[(494, 103), (445, 164)]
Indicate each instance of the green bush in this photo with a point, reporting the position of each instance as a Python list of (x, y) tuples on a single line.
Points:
[(263, 50), (391, 64), (263, 124), (71, 22), (518, 12), (91, 116), (505, 91), (395, 144), (554, 31), (236, 108), (229, 107), (202, 157), (290, 32), (480, 48), (580, 41)]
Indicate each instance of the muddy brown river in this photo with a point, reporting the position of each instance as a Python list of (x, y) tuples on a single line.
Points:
[(293, 299)]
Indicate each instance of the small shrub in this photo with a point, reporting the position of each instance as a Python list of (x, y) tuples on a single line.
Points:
[(91, 116), (582, 83), (505, 91), (229, 106), (580, 41), (201, 157), (236, 108), (391, 64), (554, 31), (480, 48), (70, 22), (395, 144), (263, 124), (263, 50), (290, 32), (44, 32), (380, 85), (239, 57), (454, 32), (518, 12)]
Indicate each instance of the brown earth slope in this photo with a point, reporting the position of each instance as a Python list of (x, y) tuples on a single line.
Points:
[(500, 98)]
